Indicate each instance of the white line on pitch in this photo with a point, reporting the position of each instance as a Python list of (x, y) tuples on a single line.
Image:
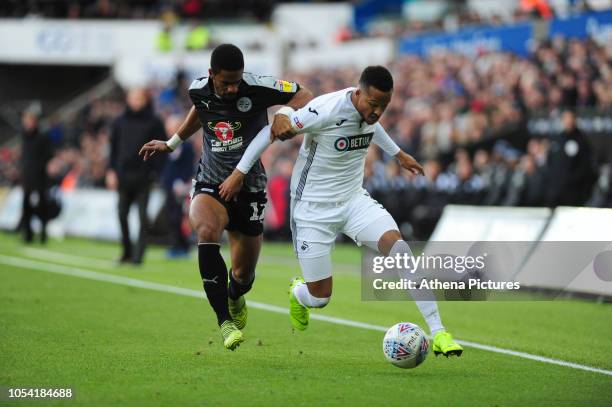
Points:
[(67, 258), (134, 282), (60, 257)]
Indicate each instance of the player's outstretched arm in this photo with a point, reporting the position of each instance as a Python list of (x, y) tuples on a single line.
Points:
[(405, 160), (408, 162), (189, 126), (281, 126), (232, 184)]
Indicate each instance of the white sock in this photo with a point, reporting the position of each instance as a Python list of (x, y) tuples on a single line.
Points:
[(429, 310), (424, 299), (306, 299)]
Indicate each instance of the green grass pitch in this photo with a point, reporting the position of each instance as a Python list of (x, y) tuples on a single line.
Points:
[(121, 345)]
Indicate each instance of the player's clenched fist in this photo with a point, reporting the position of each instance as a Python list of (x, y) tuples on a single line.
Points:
[(281, 128), (407, 162), (152, 147)]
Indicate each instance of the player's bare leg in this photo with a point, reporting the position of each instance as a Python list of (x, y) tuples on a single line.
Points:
[(208, 217), (390, 244), (321, 288), (245, 253), (387, 240), (312, 294)]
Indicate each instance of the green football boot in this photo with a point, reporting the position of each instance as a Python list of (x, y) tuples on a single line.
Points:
[(232, 337), (298, 313), (444, 344), (239, 311)]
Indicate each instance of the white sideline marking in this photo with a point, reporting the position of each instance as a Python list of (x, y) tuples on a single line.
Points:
[(134, 282), (67, 258), (61, 257)]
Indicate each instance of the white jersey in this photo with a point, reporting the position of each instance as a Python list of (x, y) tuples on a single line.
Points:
[(331, 161)]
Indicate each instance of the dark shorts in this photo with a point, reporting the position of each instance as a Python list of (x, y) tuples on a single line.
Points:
[(245, 211)]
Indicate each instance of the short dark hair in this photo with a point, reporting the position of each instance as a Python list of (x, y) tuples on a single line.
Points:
[(378, 77), (227, 57)]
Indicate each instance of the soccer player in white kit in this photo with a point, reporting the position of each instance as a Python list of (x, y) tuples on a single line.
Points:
[(327, 196)]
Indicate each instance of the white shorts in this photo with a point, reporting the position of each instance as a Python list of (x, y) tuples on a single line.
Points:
[(315, 226)]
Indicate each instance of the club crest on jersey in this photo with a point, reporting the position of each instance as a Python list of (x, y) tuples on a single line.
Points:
[(224, 130), (244, 104), (351, 143)]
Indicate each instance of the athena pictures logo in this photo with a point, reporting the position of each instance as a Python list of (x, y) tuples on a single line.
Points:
[(224, 130)]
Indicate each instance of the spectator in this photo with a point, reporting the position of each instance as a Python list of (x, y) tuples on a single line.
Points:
[(602, 196), (176, 182), (163, 41), (431, 200), (445, 109), (570, 162), (277, 213), (500, 175), (482, 167), (131, 176), (535, 180), (470, 188), (35, 154), (198, 38)]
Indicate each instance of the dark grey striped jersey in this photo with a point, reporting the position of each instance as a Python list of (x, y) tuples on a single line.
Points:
[(229, 127)]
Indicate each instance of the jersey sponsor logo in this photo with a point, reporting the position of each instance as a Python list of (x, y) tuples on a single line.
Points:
[(351, 143), (341, 144), (339, 123), (298, 123), (205, 104), (313, 111), (225, 133), (244, 104), (224, 130), (284, 86)]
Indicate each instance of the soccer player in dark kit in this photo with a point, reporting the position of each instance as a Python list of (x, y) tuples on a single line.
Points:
[(231, 107)]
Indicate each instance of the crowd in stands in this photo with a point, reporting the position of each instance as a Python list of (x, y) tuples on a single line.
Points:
[(458, 15), (463, 118), (196, 15), (136, 9), (455, 15)]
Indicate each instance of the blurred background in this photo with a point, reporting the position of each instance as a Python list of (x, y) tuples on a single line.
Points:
[(507, 104)]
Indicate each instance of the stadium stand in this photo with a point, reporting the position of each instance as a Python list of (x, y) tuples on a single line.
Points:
[(485, 126), (464, 118)]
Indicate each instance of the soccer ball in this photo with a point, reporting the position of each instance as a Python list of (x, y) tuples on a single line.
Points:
[(405, 345)]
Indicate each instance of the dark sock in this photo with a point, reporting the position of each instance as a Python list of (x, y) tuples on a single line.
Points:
[(236, 289), (214, 278)]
